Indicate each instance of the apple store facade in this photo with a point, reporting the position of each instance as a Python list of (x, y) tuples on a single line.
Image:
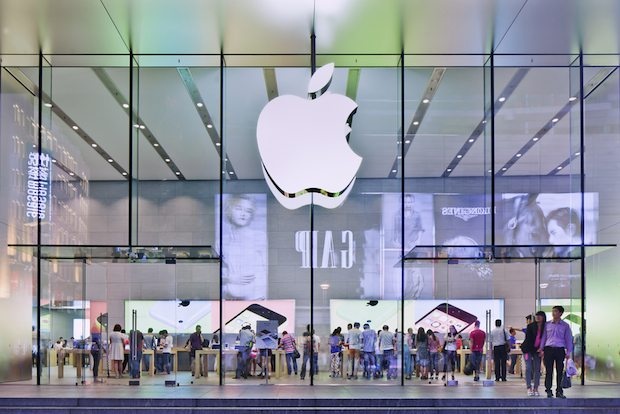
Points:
[(156, 181)]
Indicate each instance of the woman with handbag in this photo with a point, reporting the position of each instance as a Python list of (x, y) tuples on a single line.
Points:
[(530, 345), (288, 344)]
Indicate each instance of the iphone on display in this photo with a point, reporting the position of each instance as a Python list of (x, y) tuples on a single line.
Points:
[(251, 315), (180, 318), (443, 315)]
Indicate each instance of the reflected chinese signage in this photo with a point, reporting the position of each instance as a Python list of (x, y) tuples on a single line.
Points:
[(39, 180)]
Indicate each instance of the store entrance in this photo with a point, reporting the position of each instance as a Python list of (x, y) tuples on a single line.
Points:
[(126, 318)]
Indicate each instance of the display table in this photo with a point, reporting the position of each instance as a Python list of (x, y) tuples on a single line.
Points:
[(280, 367), (489, 366)]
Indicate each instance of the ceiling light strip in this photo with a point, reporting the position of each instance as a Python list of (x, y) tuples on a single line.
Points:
[(205, 117), (140, 125), (418, 116), (589, 87), (479, 129), (564, 164), (66, 119)]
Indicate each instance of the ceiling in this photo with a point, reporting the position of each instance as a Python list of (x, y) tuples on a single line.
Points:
[(448, 139)]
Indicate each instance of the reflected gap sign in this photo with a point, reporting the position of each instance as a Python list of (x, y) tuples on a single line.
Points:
[(39, 184)]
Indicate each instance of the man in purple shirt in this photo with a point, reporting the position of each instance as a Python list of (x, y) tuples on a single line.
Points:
[(556, 346)]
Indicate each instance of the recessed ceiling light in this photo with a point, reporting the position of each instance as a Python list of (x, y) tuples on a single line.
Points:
[(156, 144), (199, 105), (554, 120), (502, 98), (75, 127), (572, 99), (142, 127), (471, 140), (484, 121), (399, 157), (535, 139), (408, 141), (34, 145), (232, 173), (217, 144), (393, 171), (125, 105), (426, 100), (560, 167), (110, 160), (124, 173), (504, 168), (459, 156), (93, 145), (489, 171), (136, 125), (178, 173), (54, 161), (416, 123), (71, 174), (449, 170), (577, 154), (167, 160), (518, 155), (49, 105), (544, 285), (209, 126)]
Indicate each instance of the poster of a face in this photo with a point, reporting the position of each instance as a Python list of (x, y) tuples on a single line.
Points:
[(244, 246), (528, 220), (418, 230)]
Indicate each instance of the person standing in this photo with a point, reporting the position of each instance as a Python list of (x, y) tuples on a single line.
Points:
[(335, 345), (246, 340), (136, 345), (556, 346), (499, 339), (369, 337), (353, 341), (311, 349), (433, 347), (166, 350), (529, 347), (117, 350), (476, 342), (386, 347), (287, 343), (95, 351), (195, 342), (449, 348), (512, 339), (423, 354), (149, 344), (408, 344)]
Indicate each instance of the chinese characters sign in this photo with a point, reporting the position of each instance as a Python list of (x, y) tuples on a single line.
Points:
[(38, 191)]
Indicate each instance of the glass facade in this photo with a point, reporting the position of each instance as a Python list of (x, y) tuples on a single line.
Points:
[(134, 193)]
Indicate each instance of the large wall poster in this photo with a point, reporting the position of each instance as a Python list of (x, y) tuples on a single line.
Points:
[(418, 230), (244, 246)]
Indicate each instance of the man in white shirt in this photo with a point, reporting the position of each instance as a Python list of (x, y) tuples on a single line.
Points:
[(386, 347), (355, 344), (499, 338)]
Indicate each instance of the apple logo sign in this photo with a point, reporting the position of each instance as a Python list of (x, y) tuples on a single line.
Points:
[(303, 145)]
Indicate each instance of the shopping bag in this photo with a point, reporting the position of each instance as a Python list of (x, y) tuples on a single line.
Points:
[(566, 381)]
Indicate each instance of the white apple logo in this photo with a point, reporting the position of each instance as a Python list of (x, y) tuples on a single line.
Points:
[(303, 145)]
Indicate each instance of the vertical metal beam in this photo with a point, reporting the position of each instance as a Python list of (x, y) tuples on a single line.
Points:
[(402, 212), (582, 188), (492, 112), (312, 70), (130, 171), (220, 212), (39, 142)]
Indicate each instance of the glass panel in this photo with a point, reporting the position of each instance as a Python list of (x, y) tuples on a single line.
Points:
[(265, 247), (601, 361)]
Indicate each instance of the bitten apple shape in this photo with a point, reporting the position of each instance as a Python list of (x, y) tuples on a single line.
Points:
[(303, 146)]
